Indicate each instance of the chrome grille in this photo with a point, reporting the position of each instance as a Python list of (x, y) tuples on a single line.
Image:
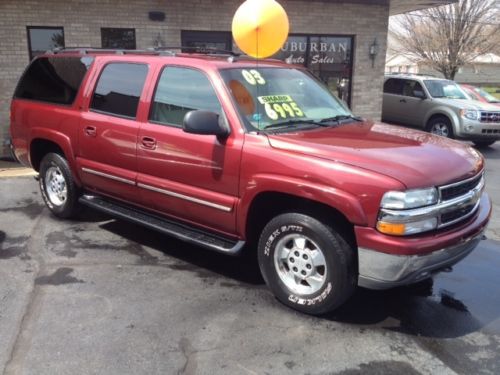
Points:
[(460, 188), (461, 198), (490, 117)]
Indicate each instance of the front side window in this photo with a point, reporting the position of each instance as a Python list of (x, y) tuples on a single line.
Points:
[(118, 38), (444, 89), (55, 79), (179, 91), (270, 97), (42, 39), (410, 87), (119, 89)]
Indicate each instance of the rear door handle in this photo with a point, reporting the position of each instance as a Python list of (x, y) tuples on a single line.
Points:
[(402, 101), (149, 143), (91, 131)]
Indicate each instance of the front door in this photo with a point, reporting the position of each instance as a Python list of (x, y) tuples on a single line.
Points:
[(188, 176), (108, 131)]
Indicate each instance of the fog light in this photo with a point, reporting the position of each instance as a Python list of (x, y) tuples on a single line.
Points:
[(469, 128)]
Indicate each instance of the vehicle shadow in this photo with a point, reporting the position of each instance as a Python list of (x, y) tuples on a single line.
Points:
[(243, 269), (428, 309)]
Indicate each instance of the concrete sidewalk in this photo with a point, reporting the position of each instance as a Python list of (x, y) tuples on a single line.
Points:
[(14, 169)]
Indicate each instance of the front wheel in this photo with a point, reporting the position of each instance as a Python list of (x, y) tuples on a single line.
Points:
[(306, 263), (57, 186), (440, 126)]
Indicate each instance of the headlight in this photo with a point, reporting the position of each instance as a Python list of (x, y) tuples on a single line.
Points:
[(400, 200), (402, 212), (470, 114)]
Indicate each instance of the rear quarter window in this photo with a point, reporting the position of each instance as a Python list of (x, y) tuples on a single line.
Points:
[(53, 79)]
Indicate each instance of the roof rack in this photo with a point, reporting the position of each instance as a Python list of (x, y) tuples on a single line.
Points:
[(158, 51), (409, 74)]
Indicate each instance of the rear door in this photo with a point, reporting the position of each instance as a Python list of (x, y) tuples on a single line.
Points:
[(108, 131), (393, 101), (188, 176)]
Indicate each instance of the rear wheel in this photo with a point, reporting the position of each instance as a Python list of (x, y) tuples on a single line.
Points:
[(306, 263), (481, 144), (440, 126), (57, 186)]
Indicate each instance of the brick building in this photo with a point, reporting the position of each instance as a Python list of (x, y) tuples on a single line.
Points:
[(343, 42)]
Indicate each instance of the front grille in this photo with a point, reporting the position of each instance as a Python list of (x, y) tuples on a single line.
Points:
[(490, 117), (467, 195), (451, 216), (456, 190), (490, 131)]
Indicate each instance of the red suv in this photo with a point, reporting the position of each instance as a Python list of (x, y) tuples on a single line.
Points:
[(226, 151)]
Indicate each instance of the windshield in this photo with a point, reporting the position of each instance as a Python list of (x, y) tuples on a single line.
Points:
[(444, 89), (270, 97), (490, 98)]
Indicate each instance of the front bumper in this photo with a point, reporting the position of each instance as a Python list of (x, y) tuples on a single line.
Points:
[(386, 261), (476, 130), (384, 271)]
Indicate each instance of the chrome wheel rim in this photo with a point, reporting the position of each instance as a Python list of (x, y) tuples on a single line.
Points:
[(55, 186), (300, 264), (440, 129)]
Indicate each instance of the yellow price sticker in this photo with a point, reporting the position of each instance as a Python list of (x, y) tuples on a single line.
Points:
[(283, 106)]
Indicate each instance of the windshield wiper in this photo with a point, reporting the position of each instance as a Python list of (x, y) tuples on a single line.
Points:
[(293, 122), (339, 118)]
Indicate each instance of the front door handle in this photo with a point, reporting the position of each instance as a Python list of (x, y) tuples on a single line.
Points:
[(149, 143), (91, 131), (402, 101)]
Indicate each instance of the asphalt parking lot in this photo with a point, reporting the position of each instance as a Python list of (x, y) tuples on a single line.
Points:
[(100, 296)]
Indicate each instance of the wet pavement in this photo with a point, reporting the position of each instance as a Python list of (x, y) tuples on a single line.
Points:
[(100, 296)]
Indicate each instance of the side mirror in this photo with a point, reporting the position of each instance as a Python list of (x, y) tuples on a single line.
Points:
[(419, 94), (205, 123)]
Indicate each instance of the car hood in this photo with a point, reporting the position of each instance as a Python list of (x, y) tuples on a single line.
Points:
[(467, 104), (415, 158)]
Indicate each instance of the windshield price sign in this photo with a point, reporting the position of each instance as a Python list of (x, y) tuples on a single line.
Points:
[(283, 106)]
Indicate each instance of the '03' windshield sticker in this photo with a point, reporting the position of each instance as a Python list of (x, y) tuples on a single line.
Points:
[(253, 77), (280, 106)]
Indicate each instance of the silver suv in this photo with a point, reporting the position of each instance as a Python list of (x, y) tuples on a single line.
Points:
[(440, 107)]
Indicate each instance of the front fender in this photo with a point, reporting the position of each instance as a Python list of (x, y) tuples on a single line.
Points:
[(342, 201), (444, 111)]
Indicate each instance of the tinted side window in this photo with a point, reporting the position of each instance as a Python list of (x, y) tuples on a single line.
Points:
[(410, 87), (393, 86), (53, 79), (179, 91), (119, 89)]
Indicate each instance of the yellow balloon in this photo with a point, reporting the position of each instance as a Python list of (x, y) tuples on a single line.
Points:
[(260, 27)]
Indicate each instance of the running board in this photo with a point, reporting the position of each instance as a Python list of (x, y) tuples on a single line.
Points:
[(181, 231)]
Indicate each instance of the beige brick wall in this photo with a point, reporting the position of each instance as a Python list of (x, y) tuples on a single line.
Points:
[(82, 21)]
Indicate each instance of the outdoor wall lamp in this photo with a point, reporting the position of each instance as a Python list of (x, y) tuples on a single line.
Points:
[(374, 48)]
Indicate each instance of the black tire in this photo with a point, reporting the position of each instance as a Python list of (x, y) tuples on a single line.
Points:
[(58, 187), (483, 144), (339, 273), (441, 126)]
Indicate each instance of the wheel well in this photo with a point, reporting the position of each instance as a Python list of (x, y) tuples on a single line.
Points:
[(268, 205), (438, 115), (41, 147)]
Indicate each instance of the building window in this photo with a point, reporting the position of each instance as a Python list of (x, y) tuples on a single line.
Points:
[(221, 40), (44, 38), (329, 57), (118, 38)]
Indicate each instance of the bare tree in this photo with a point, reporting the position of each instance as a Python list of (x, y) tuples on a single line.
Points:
[(448, 37)]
